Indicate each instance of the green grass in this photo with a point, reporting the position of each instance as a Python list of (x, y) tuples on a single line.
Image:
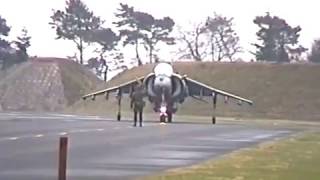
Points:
[(279, 91), (295, 158)]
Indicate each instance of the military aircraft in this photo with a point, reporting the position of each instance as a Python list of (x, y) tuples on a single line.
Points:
[(165, 89)]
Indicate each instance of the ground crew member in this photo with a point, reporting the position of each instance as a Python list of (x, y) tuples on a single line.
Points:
[(137, 103)]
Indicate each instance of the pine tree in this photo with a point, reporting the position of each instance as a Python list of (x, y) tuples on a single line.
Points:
[(22, 43), (276, 36), (75, 23), (142, 28)]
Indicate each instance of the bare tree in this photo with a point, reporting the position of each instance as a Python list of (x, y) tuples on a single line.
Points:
[(224, 41), (215, 37), (195, 45)]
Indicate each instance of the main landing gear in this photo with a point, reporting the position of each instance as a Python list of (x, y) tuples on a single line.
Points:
[(119, 96)]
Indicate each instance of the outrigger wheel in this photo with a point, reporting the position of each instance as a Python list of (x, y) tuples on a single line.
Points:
[(213, 120), (118, 116)]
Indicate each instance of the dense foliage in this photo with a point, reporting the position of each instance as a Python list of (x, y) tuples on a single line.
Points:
[(277, 36)]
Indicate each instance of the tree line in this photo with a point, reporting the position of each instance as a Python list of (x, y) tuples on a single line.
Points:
[(214, 38), (15, 51)]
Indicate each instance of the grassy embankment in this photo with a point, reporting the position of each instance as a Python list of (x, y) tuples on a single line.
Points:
[(279, 91), (44, 84)]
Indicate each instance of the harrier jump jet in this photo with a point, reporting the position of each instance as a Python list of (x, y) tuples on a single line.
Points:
[(165, 89)]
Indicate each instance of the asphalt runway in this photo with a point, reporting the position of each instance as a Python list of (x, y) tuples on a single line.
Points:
[(106, 149)]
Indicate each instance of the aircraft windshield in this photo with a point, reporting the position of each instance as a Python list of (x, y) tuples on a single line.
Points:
[(163, 69)]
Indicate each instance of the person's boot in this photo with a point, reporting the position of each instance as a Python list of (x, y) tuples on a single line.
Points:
[(135, 123), (140, 122), (135, 119), (140, 118)]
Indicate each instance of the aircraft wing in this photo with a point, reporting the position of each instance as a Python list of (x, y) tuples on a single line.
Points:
[(125, 88), (197, 88)]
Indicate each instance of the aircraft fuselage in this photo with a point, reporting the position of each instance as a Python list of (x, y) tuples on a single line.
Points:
[(165, 88)]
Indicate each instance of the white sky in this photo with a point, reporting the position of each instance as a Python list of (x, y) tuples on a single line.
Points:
[(35, 15)]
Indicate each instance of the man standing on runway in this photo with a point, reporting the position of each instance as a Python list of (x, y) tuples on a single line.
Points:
[(137, 103)]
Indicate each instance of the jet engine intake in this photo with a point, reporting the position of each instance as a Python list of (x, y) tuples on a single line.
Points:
[(178, 89), (149, 84)]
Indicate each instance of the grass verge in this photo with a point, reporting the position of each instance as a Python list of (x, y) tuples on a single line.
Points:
[(295, 158)]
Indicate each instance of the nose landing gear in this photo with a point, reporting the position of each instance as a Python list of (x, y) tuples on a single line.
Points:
[(163, 118), (165, 114)]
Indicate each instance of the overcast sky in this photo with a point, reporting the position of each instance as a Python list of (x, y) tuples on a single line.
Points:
[(35, 15)]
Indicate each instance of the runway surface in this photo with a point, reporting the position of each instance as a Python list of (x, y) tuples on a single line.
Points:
[(106, 149)]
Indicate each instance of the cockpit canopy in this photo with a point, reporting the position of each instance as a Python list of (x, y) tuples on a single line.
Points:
[(164, 69)]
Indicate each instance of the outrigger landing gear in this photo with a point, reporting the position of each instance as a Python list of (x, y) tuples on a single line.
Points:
[(214, 103), (213, 120), (119, 116), (119, 105)]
